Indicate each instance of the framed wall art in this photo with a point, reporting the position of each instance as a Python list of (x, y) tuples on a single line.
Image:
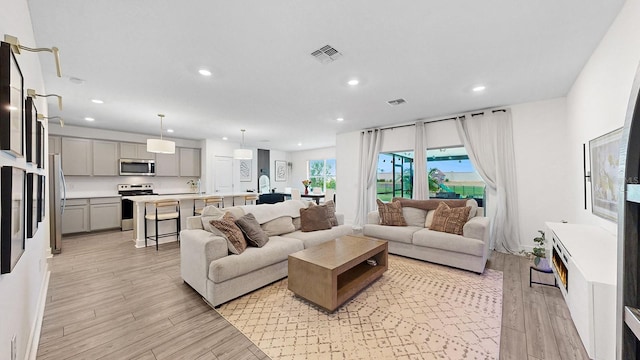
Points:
[(12, 222), (41, 187), (245, 170), (281, 170), (32, 130), (604, 153), (11, 92), (32, 205), (41, 153)]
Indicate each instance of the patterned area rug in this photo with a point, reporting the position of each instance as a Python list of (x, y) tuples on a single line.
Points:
[(417, 310)]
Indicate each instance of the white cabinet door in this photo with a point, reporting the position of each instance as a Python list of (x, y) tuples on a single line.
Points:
[(135, 151), (76, 156), (105, 216), (189, 162), (105, 158), (144, 154), (167, 165), (75, 218)]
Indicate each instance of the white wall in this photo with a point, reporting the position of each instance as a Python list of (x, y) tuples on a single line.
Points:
[(597, 102), (215, 148), (21, 291), (299, 160)]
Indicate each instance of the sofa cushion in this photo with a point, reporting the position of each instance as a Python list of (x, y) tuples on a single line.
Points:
[(429, 219), (278, 226), (473, 204), (235, 239), (318, 237), (252, 231), (314, 218), (450, 220), (414, 216), (448, 242), (297, 224), (391, 213), (430, 204), (397, 233), (211, 213), (252, 259)]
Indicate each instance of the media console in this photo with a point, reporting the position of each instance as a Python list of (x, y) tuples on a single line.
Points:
[(584, 262)]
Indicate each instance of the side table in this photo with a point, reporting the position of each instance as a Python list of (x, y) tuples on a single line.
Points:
[(545, 270)]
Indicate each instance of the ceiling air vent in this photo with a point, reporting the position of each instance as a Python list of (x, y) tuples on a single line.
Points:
[(396, 102), (326, 54)]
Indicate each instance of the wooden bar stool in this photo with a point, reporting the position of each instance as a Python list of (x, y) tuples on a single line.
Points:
[(209, 200), (252, 197), (168, 209)]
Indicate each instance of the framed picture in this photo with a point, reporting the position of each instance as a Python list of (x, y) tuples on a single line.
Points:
[(12, 181), (604, 153), (41, 153), (32, 130), (11, 92), (41, 188), (32, 204), (245, 170), (281, 170)]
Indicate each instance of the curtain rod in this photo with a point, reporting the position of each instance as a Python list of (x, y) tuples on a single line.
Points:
[(439, 120)]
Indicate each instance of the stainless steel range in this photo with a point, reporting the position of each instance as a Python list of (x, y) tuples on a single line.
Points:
[(127, 205)]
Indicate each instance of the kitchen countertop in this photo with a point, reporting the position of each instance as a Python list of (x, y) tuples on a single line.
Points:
[(91, 195), (191, 196)]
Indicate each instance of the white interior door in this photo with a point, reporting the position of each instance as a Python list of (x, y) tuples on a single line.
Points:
[(223, 174)]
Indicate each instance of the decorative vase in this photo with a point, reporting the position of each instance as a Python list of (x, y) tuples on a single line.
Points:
[(542, 263), (306, 190)]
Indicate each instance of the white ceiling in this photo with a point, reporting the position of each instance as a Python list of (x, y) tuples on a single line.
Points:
[(142, 58)]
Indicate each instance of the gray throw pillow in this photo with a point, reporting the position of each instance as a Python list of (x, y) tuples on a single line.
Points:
[(279, 226), (235, 239), (252, 231), (314, 218)]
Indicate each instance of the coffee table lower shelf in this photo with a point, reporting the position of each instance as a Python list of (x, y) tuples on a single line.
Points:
[(331, 273)]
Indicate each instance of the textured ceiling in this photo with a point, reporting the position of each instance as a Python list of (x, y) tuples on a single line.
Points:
[(142, 58)]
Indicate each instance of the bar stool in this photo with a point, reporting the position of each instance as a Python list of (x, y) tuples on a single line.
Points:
[(169, 210), (252, 197), (209, 200)]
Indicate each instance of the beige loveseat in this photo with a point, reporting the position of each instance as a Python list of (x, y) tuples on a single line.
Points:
[(207, 266), (468, 251)]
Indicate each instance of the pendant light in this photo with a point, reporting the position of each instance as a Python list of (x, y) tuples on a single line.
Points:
[(161, 146), (242, 153)]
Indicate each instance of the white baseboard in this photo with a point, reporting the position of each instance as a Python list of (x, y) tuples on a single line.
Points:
[(34, 337)]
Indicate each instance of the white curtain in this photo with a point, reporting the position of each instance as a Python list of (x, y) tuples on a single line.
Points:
[(488, 139), (420, 181), (370, 142)]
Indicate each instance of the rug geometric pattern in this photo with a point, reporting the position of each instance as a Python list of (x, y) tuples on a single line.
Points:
[(417, 310)]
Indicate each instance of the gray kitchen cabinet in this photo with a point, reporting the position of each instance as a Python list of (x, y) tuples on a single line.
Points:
[(167, 165), (77, 156), (105, 158), (105, 213), (189, 162), (55, 145), (75, 217), (135, 151)]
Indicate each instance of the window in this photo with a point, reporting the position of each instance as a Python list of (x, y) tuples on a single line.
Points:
[(322, 173), (395, 175)]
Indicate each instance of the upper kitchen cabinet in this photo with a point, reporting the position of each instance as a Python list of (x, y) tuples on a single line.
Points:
[(189, 162), (105, 158), (55, 145), (135, 151), (167, 165), (77, 156)]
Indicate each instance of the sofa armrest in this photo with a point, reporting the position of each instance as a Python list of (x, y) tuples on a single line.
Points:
[(477, 228), (194, 223), (198, 248), (373, 217)]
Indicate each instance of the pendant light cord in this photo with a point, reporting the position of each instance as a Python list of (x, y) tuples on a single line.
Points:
[(161, 129)]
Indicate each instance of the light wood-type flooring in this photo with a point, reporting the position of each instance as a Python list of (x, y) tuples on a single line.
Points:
[(109, 300)]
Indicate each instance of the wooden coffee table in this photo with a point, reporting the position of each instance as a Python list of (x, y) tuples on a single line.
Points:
[(331, 273)]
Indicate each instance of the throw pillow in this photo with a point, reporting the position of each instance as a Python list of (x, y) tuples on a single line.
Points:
[(252, 231), (314, 218), (278, 226), (414, 216), (297, 225), (211, 213), (429, 219), (391, 213), (330, 207), (450, 220), (235, 240), (474, 207)]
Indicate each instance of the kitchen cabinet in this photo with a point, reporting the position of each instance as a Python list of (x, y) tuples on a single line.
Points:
[(105, 158), (77, 156), (105, 213), (75, 217), (135, 151), (55, 145), (167, 165), (189, 162)]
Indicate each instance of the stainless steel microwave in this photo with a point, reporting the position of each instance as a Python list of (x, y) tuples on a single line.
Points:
[(137, 167)]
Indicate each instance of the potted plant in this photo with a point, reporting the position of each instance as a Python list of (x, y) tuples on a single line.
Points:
[(540, 252), (194, 185)]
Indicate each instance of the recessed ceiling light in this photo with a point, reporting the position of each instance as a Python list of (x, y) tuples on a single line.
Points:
[(479, 88), (169, 130), (340, 119), (225, 138), (353, 82), (299, 144), (97, 101), (89, 119), (204, 72)]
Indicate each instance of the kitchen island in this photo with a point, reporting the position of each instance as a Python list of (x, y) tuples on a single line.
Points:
[(186, 210)]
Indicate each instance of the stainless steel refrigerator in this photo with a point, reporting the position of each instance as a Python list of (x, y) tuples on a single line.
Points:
[(57, 200)]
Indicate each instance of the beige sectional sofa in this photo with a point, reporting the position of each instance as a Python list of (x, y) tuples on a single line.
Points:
[(207, 266), (468, 251)]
